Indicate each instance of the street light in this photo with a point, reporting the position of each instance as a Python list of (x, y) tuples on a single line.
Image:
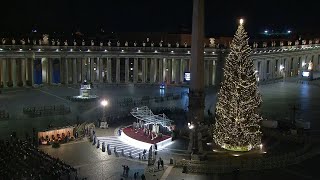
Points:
[(104, 103), (104, 123)]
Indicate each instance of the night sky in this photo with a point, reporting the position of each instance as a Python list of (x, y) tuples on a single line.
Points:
[(156, 15)]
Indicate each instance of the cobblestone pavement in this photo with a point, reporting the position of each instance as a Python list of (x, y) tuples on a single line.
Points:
[(278, 100)]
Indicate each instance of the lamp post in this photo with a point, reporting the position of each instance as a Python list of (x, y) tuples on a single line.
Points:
[(104, 103)]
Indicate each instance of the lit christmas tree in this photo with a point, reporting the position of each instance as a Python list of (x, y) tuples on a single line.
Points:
[(237, 118)]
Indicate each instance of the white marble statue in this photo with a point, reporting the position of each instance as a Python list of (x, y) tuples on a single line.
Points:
[(83, 43), (169, 45), (40, 42), (118, 43), (28, 41), (101, 43), (212, 42), (160, 43), (177, 44), (296, 43), (304, 42), (13, 42), (281, 43), (264, 44), (74, 43), (185, 44), (34, 42), (152, 44), (22, 41), (109, 43), (126, 44), (66, 43), (58, 42), (45, 39), (144, 44), (135, 44), (53, 42), (92, 43), (3, 41), (289, 43), (310, 41)]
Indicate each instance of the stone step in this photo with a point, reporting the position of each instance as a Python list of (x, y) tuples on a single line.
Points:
[(114, 141)]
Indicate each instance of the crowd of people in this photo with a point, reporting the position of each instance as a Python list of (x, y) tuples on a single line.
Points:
[(61, 138), (21, 160)]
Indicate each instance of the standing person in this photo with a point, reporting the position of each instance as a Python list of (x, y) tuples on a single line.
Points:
[(161, 162), (127, 171), (135, 176), (124, 170), (143, 177)]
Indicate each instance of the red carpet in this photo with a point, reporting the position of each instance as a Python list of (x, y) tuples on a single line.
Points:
[(139, 135)]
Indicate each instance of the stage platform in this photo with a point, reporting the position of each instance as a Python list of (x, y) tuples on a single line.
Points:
[(138, 139)]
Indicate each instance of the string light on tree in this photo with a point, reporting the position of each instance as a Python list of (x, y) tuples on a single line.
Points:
[(237, 118)]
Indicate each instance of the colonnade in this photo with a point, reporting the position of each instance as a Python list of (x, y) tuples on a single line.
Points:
[(273, 67), (63, 70), (48, 65)]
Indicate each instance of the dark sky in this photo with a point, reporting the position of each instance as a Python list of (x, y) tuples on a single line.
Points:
[(156, 15)]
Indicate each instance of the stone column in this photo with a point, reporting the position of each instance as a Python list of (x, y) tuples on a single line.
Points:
[(118, 70), (169, 72), (66, 71), (196, 91), (143, 77), (214, 69), (27, 65), (79, 69), (164, 70), (174, 70), (155, 73), (23, 71), (210, 66), (182, 69), (109, 74), (92, 72), (83, 69), (206, 72), (152, 71), (100, 61), (271, 68), (178, 69), (4, 73), (263, 69), (50, 70), (44, 70), (160, 70), (14, 71), (135, 70), (127, 70), (74, 70), (32, 70)]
